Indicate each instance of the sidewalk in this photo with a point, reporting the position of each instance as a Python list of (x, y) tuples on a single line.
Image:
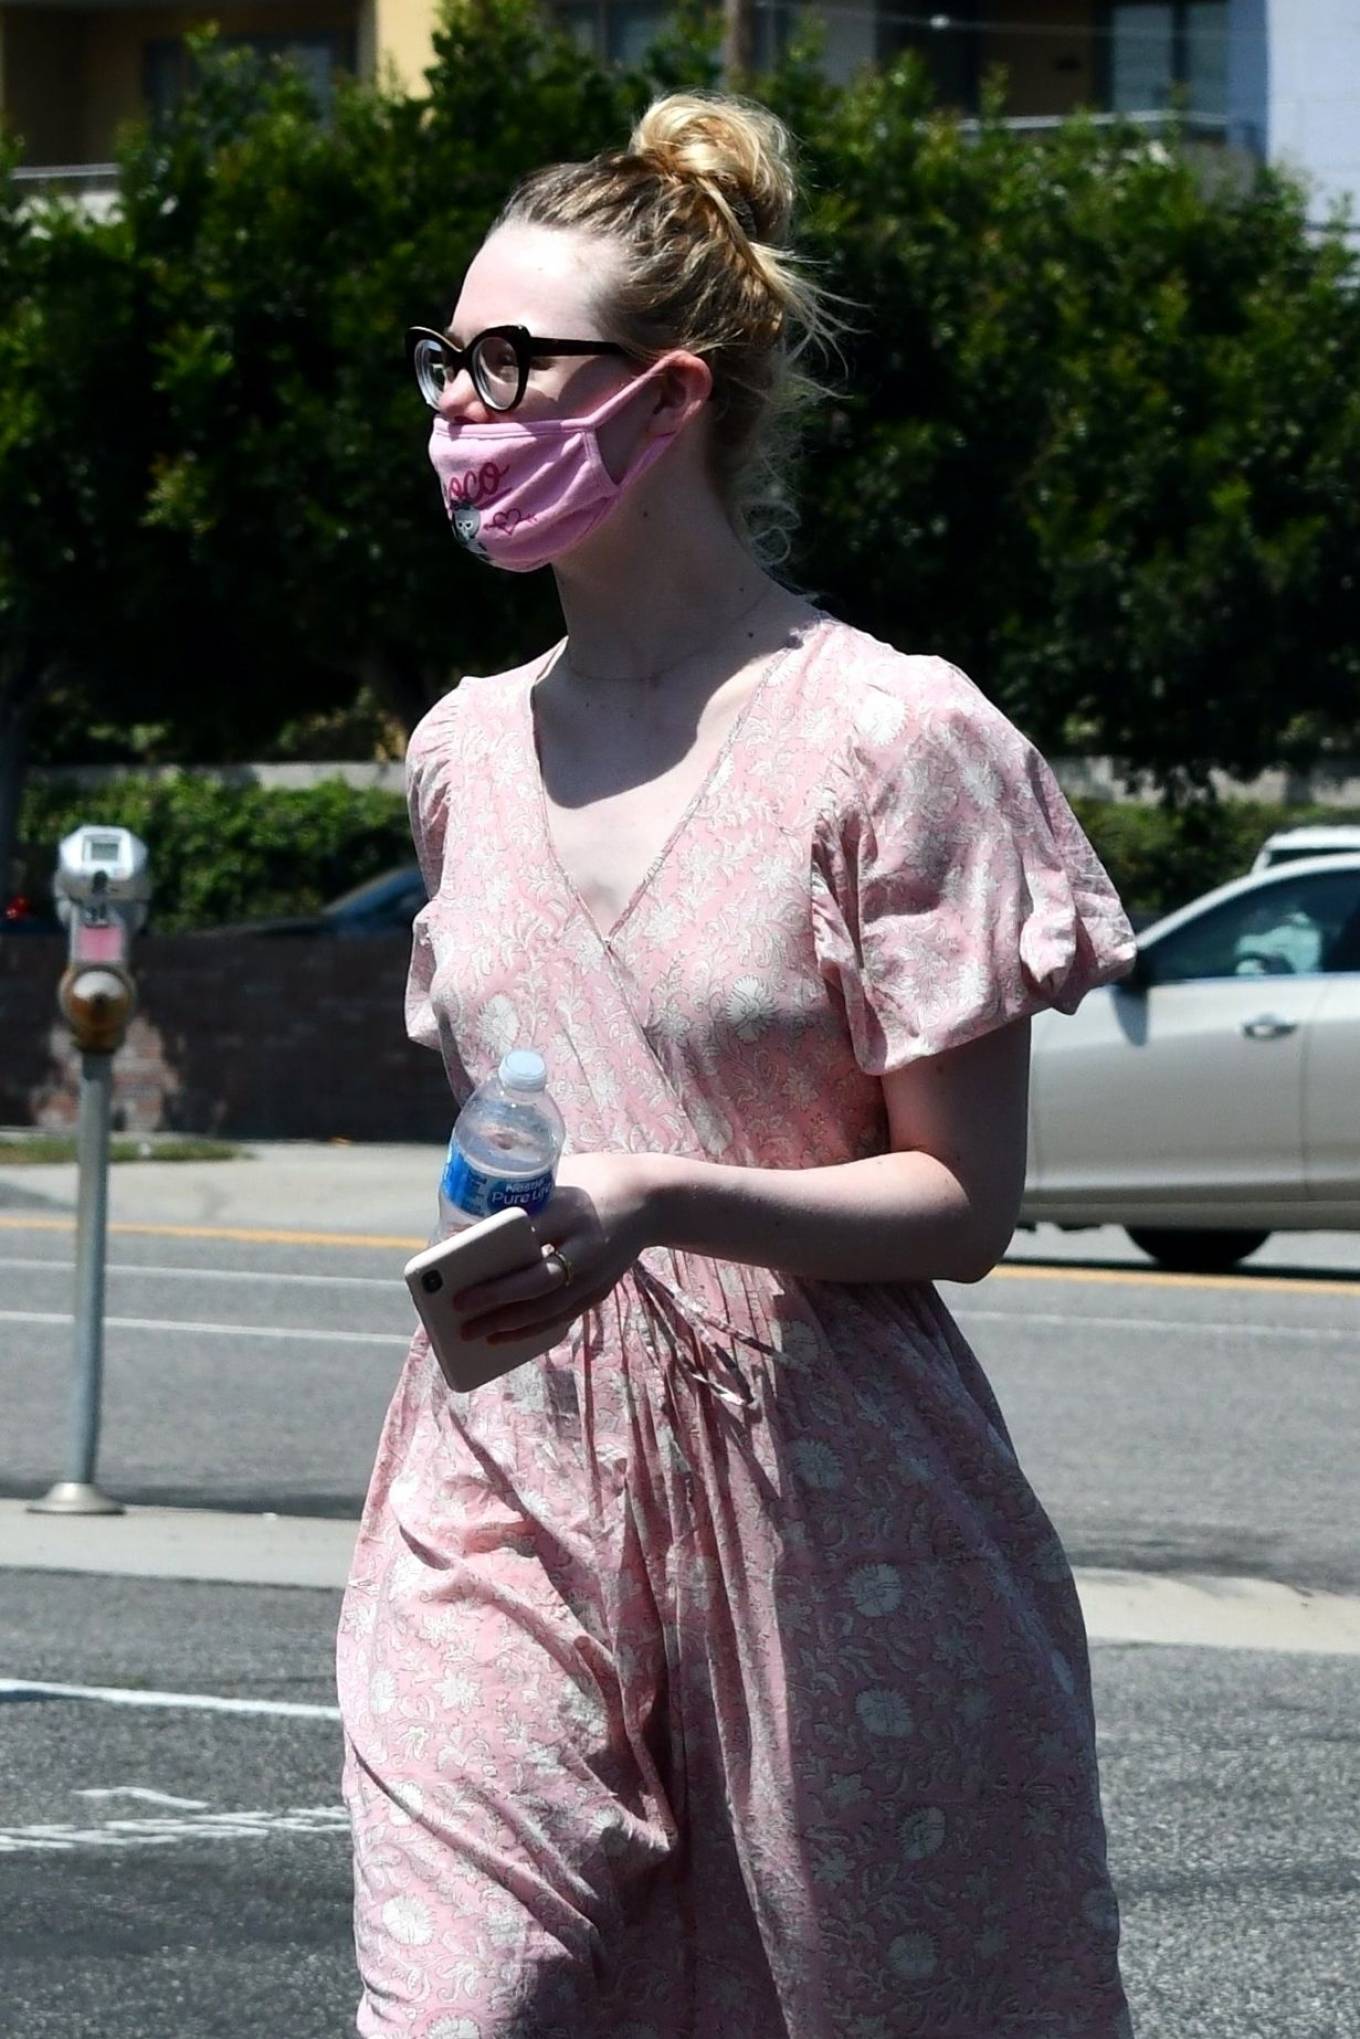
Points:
[(276, 1185)]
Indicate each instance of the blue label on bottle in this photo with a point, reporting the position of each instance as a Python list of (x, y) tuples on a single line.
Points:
[(481, 1195)]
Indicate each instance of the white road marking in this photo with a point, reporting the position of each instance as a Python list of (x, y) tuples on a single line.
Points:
[(140, 1791), (59, 1837), (320, 1281), (387, 1283), (1158, 1324), (963, 1314), (385, 1338), (199, 1702)]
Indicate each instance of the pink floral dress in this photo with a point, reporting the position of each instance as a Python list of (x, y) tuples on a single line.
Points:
[(719, 1675)]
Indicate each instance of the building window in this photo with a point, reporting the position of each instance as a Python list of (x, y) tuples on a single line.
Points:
[(168, 70), (622, 31), (1150, 49), (1157, 47)]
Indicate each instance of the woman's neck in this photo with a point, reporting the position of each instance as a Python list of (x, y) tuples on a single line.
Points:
[(660, 595)]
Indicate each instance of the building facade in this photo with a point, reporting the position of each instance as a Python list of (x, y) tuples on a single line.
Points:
[(1277, 79), (71, 71)]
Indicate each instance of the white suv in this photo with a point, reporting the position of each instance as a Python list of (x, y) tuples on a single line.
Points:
[(1323, 840)]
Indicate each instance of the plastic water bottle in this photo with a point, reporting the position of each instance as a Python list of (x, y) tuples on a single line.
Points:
[(504, 1147)]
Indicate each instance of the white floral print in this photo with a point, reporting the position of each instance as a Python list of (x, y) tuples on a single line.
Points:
[(884, 1713), (652, 1694), (876, 1589)]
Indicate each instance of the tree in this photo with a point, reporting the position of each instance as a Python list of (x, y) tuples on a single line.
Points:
[(1094, 440), (1098, 439), (69, 467)]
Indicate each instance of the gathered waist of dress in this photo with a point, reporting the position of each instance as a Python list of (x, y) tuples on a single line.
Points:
[(700, 1339), (720, 1318)]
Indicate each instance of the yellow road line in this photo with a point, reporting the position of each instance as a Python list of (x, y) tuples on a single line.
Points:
[(1151, 1277), (1012, 1270)]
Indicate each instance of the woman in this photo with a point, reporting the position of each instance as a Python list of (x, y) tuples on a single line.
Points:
[(719, 1673)]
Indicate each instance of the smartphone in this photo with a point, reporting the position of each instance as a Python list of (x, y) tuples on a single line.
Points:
[(494, 1245)]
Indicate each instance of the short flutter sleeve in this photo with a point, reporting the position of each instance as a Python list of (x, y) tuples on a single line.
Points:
[(953, 888), (427, 801)]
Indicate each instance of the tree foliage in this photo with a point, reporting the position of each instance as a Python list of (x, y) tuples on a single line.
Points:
[(222, 852), (1094, 439), (1100, 437)]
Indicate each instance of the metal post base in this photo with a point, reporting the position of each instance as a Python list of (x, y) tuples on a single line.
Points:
[(75, 1497)]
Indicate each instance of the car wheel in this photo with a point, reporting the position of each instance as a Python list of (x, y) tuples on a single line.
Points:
[(1196, 1252)]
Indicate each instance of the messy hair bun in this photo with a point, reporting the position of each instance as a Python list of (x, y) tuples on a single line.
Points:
[(702, 203), (738, 152)]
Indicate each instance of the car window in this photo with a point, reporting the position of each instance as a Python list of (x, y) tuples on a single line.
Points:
[(1292, 928), (1277, 857), (374, 893), (398, 910), (407, 905)]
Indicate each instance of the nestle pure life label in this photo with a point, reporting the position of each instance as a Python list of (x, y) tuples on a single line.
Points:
[(481, 1195)]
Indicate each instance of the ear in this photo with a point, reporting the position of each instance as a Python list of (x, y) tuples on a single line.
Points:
[(682, 389)]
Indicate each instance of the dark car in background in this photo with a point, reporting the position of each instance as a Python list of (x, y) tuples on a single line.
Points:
[(21, 915), (383, 905)]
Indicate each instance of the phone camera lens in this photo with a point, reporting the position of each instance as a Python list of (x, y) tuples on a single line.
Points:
[(431, 1280)]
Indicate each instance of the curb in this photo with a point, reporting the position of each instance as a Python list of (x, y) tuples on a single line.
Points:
[(211, 1545), (1195, 1611)]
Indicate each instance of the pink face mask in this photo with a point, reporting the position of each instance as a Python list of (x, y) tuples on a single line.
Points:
[(520, 494)]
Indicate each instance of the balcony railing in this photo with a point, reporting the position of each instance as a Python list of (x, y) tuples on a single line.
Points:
[(85, 176), (91, 187), (1200, 126)]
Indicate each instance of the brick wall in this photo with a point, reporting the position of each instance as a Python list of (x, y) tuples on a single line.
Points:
[(252, 1037)]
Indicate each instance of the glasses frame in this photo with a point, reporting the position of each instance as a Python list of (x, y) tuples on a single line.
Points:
[(528, 349)]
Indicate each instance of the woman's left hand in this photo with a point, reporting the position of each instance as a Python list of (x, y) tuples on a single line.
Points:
[(598, 1215)]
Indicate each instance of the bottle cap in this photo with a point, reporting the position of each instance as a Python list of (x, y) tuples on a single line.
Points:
[(524, 1069)]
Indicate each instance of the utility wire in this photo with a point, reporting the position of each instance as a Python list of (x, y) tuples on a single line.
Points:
[(1091, 31), (833, 10)]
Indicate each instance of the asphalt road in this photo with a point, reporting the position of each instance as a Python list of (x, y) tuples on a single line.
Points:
[(1230, 1783), (1167, 1424)]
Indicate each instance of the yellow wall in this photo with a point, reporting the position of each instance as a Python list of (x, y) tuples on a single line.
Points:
[(1049, 73), (400, 32)]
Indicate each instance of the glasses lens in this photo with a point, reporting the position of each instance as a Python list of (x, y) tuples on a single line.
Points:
[(495, 369), (431, 372)]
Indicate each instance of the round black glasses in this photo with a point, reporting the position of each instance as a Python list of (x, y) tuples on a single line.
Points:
[(498, 360)]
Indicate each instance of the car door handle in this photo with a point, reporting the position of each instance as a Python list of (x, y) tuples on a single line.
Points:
[(1268, 1027)]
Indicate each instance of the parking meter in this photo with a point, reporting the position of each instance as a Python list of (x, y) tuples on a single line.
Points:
[(102, 888)]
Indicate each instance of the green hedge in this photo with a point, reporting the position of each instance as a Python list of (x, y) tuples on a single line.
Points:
[(1161, 859), (226, 853)]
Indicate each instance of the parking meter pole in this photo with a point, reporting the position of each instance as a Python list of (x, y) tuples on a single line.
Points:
[(77, 1494), (101, 892), (96, 1098)]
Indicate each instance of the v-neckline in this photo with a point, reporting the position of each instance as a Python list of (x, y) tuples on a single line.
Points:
[(798, 638)]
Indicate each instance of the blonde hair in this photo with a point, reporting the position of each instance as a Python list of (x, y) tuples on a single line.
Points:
[(701, 203)]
